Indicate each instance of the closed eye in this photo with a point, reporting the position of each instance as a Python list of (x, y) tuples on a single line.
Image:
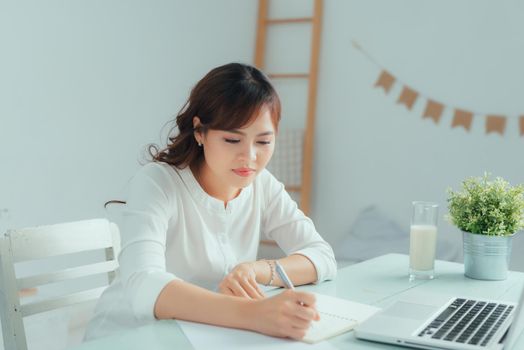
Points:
[(232, 140), (264, 142)]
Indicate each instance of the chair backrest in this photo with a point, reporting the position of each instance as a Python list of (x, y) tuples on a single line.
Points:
[(43, 242)]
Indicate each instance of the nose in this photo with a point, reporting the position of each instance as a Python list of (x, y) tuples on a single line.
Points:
[(248, 154)]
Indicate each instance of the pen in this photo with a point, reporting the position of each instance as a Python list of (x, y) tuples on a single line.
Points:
[(283, 276)]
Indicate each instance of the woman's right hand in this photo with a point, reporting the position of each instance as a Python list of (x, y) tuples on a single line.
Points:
[(287, 315)]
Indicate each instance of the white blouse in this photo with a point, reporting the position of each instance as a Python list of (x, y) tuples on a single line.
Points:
[(172, 229)]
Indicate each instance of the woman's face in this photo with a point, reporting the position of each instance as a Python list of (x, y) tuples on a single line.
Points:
[(233, 158)]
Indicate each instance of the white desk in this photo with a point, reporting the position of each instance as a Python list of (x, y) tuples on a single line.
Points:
[(379, 281)]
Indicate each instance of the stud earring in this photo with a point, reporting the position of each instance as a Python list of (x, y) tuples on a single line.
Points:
[(199, 144)]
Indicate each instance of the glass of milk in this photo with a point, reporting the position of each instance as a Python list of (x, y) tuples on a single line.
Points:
[(423, 240)]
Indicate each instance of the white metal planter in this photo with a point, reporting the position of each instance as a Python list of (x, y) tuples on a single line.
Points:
[(486, 257)]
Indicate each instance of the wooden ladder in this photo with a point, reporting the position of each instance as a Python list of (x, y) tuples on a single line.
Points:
[(312, 77)]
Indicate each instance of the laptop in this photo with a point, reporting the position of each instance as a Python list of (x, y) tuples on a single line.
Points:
[(458, 323)]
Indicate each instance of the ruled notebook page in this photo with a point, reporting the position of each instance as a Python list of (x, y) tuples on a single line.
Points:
[(337, 316)]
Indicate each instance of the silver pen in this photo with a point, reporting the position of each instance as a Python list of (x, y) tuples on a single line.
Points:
[(283, 276)]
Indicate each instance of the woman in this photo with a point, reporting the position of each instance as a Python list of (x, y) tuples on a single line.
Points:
[(193, 219)]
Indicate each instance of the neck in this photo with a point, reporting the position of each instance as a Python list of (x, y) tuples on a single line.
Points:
[(212, 185)]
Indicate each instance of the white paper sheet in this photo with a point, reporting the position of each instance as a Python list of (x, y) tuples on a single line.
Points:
[(337, 316), (204, 337)]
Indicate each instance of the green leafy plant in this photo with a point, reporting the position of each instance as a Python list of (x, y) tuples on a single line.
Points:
[(487, 207)]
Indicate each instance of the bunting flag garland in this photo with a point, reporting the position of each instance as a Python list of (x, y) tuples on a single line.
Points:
[(385, 80), (433, 111), (494, 123), (462, 118), (408, 97)]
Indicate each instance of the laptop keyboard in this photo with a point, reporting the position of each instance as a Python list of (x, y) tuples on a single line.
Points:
[(468, 321)]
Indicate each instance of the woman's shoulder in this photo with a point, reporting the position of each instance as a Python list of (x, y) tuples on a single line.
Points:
[(266, 177), (160, 174), (267, 183), (159, 171)]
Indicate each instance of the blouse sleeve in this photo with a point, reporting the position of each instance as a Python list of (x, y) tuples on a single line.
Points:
[(144, 224), (293, 231)]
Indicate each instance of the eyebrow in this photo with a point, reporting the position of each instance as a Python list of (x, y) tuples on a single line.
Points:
[(243, 133)]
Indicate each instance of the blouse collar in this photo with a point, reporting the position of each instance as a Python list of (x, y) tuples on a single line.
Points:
[(212, 203)]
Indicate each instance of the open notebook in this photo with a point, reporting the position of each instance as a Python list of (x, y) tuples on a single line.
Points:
[(337, 316)]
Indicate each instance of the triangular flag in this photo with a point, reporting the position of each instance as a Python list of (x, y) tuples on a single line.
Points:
[(462, 118), (408, 97), (385, 80), (522, 125), (433, 111), (495, 123)]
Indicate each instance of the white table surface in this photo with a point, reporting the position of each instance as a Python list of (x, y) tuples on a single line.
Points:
[(379, 281)]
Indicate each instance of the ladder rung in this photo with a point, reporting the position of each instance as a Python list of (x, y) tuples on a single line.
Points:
[(293, 188), (288, 76), (289, 20)]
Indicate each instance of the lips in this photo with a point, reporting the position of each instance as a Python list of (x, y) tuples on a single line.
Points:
[(244, 172)]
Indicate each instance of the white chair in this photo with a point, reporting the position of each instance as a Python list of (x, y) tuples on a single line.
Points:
[(45, 242)]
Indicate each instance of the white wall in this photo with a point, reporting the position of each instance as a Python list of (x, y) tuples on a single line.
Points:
[(87, 84), (84, 86), (371, 150)]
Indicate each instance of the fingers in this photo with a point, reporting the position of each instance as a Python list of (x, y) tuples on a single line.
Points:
[(248, 288), (225, 290), (304, 297), (245, 288), (307, 313), (302, 306), (257, 292), (300, 323), (293, 327), (285, 316), (238, 290), (242, 282)]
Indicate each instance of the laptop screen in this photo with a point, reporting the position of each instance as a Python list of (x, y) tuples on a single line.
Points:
[(517, 325)]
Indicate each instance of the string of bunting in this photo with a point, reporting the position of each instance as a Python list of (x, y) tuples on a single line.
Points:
[(495, 123)]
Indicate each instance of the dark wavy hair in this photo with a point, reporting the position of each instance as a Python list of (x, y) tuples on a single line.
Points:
[(228, 97)]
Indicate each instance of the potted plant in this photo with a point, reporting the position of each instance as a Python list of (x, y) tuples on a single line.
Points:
[(488, 212)]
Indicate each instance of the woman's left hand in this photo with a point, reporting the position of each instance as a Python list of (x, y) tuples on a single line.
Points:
[(241, 282)]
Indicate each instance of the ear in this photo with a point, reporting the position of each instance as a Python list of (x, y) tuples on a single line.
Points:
[(197, 134), (196, 122)]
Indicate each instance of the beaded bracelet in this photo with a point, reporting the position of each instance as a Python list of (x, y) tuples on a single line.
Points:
[(271, 264)]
